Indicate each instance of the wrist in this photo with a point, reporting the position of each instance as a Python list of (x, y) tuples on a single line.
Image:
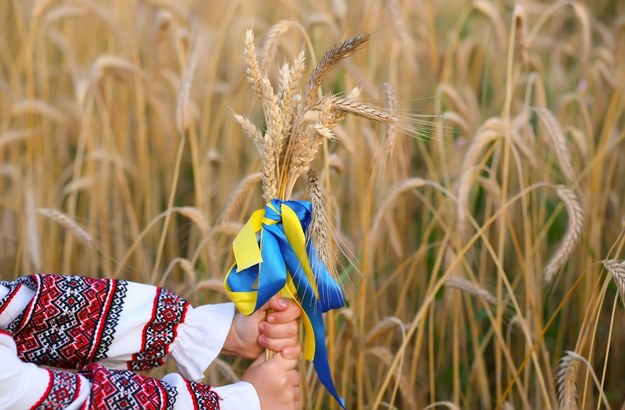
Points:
[(232, 344)]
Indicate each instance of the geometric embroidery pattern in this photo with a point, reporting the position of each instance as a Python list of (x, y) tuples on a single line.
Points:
[(13, 288), (168, 311), (123, 389), (70, 321), (63, 389), (203, 395)]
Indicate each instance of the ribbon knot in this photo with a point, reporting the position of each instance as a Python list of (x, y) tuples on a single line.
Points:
[(273, 255)]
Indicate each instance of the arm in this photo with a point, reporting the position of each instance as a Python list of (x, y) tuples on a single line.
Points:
[(70, 321), (25, 386)]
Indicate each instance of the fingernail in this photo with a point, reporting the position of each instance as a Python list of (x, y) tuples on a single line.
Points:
[(283, 302), (271, 318), (261, 340), (261, 326)]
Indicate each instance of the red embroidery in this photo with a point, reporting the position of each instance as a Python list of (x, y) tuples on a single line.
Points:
[(70, 321), (63, 389), (123, 389), (204, 397), (9, 296), (168, 312)]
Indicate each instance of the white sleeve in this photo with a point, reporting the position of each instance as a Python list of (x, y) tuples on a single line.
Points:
[(26, 386), (241, 395), (201, 337), (71, 321)]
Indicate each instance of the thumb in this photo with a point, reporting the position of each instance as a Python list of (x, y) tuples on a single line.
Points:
[(259, 360)]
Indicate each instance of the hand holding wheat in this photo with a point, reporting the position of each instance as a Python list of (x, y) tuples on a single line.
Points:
[(284, 248)]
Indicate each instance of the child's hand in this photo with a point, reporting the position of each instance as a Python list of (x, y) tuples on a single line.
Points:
[(275, 380), (249, 335)]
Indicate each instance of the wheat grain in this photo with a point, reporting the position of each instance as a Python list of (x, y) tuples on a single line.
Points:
[(320, 230), (375, 233), (254, 76), (329, 60), (383, 327), (67, 223), (237, 198), (251, 131), (467, 175), (617, 270), (471, 288), (559, 142), (362, 110), (183, 105), (196, 216), (389, 137), (272, 40), (572, 235), (567, 378), (274, 137)]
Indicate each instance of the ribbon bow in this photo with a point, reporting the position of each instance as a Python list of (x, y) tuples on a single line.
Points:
[(282, 260)]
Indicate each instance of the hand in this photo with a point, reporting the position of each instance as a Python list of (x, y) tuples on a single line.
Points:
[(275, 380), (249, 335)]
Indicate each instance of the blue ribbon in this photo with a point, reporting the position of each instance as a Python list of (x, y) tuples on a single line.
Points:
[(279, 259)]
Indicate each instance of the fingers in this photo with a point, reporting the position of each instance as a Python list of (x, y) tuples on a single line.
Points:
[(284, 309), (276, 345), (279, 330), (292, 352), (289, 314), (284, 362)]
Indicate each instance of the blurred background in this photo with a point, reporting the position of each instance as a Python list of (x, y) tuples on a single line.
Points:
[(472, 233)]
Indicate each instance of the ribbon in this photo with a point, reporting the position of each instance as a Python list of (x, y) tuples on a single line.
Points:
[(282, 260)]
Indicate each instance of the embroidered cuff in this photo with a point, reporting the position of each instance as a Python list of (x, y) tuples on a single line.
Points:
[(201, 337), (241, 395)]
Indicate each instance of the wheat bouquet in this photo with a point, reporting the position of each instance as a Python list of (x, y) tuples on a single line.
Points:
[(284, 248)]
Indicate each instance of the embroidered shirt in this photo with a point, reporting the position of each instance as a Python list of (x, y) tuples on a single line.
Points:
[(108, 329)]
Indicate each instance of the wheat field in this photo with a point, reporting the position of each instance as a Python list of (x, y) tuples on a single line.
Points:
[(481, 235)]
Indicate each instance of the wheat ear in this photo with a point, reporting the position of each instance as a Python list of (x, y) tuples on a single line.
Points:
[(572, 235), (67, 223), (471, 288), (252, 69), (329, 60), (617, 270), (320, 230)]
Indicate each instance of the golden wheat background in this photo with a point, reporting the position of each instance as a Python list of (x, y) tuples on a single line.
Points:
[(474, 229)]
